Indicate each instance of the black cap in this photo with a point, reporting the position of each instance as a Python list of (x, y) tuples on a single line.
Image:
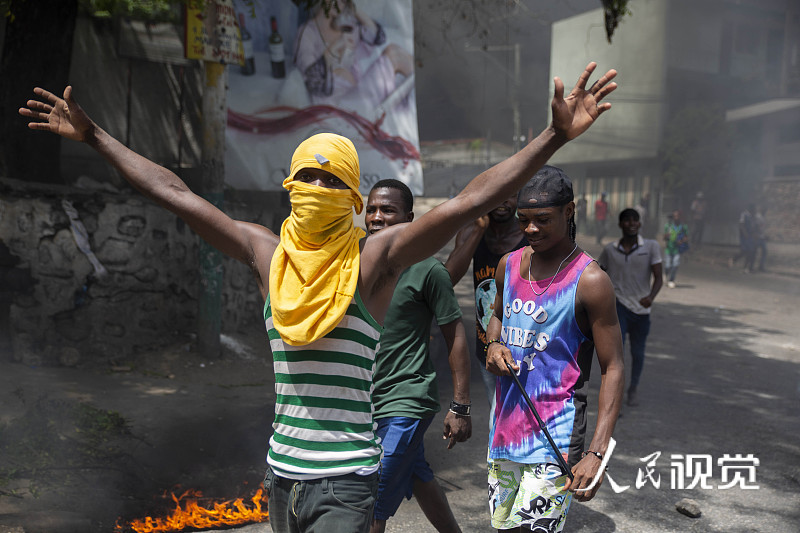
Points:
[(549, 187)]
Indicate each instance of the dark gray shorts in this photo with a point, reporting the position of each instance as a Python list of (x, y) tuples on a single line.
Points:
[(336, 504)]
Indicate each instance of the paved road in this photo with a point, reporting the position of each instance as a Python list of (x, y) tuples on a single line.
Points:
[(722, 377)]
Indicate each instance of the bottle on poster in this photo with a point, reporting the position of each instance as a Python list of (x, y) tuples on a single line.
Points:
[(277, 55), (249, 67)]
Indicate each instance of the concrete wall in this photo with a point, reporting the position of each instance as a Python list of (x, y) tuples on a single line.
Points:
[(676, 54), (695, 43), (53, 308), (152, 107), (59, 312), (633, 129), (782, 197)]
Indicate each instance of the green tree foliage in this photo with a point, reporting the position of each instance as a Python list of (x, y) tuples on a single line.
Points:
[(154, 10), (613, 12)]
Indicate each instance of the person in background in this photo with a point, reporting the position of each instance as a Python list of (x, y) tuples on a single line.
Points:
[(761, 238), (484, 242), (748, 236), (676, 240), (581, 206), (600, 216), (634, 265), (644, 211), (699, 207)]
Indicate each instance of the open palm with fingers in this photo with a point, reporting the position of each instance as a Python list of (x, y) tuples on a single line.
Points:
[(62, 116), (574, 114)]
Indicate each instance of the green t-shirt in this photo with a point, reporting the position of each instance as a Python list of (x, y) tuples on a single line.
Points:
[(405, 378), (675, 233)]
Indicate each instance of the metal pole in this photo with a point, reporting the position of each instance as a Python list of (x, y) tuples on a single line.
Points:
[(561, 462), (209, 312)]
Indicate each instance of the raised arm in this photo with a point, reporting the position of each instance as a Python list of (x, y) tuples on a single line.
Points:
[(467, 240), (242, 241), (571, 116), (371, 28)]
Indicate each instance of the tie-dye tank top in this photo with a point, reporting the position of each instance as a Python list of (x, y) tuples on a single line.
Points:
[(554, 359)]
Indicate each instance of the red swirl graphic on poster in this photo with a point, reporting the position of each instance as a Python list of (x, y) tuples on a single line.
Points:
[(347, 71), (393, 147)]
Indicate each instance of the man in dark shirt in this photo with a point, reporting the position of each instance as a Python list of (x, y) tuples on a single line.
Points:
[(484, 242)]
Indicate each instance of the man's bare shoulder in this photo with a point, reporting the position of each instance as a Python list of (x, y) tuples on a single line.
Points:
[(594, 285), (593, 275)]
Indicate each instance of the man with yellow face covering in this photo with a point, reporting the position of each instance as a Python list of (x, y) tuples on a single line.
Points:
[(326, 291)]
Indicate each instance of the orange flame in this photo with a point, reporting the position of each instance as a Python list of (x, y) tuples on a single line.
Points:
[(192, 515)]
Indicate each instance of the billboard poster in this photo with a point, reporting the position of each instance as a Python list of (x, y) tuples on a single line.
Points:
[(306, 71)]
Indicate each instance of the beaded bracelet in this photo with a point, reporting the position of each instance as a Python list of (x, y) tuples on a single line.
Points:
[(596, 454), (498, 341)]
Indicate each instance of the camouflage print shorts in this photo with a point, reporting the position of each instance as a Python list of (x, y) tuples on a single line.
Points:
[(531, 496)]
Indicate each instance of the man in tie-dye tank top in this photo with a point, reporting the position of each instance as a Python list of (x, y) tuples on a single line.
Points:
[(554, 306)]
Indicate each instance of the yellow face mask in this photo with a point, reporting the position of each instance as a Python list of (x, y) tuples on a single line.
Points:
[(314, 271), (318, 214)]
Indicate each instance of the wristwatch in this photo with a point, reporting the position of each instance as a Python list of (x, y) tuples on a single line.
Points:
[(461, 409)]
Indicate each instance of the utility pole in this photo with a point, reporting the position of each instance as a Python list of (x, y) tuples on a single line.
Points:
[(209, 312), (211, 37)]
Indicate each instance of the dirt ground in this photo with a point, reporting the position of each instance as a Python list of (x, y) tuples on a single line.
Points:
[(82, 448), (168, 423)]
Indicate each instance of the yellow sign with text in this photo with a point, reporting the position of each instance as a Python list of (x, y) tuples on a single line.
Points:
[(212, 32)]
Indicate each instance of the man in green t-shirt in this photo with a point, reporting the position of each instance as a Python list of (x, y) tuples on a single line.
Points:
[(406, 397)]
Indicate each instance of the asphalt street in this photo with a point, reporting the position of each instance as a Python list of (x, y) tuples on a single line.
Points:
[(717, 423), (721, 380), (718, 408)]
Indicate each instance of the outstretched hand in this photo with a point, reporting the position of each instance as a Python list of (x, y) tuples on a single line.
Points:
[(577, 112), (62, 116)]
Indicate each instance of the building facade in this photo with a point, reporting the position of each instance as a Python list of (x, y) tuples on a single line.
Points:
[(708, 101)]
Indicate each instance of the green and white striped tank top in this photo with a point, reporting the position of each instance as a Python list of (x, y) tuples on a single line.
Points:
[(324, 422)]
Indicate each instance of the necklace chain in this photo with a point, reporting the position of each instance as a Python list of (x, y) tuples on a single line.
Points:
[(530, 276)]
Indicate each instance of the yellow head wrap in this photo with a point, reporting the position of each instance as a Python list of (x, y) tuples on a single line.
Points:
[(314, 271), (333, 153)]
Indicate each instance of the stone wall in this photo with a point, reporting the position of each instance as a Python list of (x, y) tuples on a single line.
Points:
[(57, 310), (782, 199)]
